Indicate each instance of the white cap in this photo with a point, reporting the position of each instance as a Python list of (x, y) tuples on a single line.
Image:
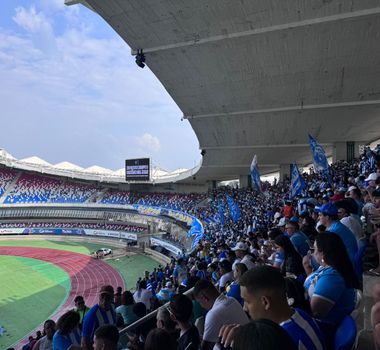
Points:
[(240, 246), (282, 222), (351, 188), (372, 177)]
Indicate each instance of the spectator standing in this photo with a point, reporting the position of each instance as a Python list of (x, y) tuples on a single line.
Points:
[(328, 216), (181, 309), (100, 314), (46, 342), (221, 310), (241, 251), (67, 335), (126, 308), (143, 295), (81, 308)]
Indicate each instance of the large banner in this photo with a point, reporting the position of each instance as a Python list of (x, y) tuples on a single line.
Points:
[(9, 231), (113, 234), (52, 231), (65, 231), (170, 247), (196, 231)]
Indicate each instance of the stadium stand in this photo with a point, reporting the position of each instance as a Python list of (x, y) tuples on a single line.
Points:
[(6, 178), (95, 226), (246, 237)]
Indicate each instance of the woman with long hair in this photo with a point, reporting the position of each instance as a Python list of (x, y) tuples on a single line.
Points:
[(331, 289), (67, 335), (292, 265)]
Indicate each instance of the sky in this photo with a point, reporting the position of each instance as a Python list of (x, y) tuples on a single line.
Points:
[(71, 91)]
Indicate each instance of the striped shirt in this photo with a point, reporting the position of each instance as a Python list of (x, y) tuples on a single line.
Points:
[(95, 318), (304, 331)]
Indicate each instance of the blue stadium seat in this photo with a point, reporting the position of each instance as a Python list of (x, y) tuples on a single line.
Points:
[(345, 336), (358, 261)]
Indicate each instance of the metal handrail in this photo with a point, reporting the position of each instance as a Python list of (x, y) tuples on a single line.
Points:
[(124, 332)]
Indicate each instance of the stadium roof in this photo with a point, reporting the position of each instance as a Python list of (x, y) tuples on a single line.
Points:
[(255, 77), (95, 172)]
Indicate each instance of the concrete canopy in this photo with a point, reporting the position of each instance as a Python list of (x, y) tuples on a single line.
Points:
[(256, 76)]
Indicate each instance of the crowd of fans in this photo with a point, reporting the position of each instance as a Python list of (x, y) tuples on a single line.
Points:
[(289, 267), (73, 225)]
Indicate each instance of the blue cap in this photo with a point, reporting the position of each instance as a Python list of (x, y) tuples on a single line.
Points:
[(329, 209), (293, 219)]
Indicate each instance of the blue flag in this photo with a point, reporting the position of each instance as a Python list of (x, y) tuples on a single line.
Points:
[(255, 176), (319, 156), (370, 160), (234, 209), (221, 213), (297, 183)]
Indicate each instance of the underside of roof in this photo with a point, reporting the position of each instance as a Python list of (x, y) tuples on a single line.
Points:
[(257, 76)]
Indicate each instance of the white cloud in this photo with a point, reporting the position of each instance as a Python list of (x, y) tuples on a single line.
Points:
[(39, 28), (70, 102), (149, 142)]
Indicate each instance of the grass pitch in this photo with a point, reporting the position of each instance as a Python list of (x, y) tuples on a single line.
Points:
[(31, 290)]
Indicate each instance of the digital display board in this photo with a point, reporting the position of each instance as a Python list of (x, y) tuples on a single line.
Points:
[(137, 169)]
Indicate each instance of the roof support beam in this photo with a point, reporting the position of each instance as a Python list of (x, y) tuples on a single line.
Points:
[(285, 109), (260, 146), (258, 31)]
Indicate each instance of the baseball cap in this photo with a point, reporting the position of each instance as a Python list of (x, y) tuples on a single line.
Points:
[(371, 177), (328, 209), (107, 290), (351, 188), (241, 246)]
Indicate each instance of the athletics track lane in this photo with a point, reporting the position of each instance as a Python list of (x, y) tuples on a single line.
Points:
[(87, 274)]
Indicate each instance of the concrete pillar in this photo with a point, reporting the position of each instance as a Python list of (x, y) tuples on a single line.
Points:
[(284, 171), (359, 147), (243, 181), (211, 185), (347, 150), (339, 151)]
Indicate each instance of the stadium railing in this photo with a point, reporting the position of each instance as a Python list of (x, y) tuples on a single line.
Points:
[(124, 332)]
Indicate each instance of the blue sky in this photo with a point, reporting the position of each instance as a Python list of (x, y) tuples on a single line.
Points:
[(70, 90)]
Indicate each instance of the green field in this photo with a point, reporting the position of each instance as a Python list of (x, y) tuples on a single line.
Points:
[(36, 289), (31, 290)]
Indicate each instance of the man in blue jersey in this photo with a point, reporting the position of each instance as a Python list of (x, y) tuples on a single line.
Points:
[(263, 291), (300, 241), (100, 314), (328, 217)]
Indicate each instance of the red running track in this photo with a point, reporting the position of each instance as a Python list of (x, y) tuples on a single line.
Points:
[(86, 273)]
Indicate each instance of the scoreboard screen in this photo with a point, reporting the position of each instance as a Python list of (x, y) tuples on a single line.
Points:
[(137, 169)]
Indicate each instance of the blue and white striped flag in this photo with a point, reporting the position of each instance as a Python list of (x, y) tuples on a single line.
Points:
[(234, 209), (371, 160), (255, 176), (319, 156), (297, 183)]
